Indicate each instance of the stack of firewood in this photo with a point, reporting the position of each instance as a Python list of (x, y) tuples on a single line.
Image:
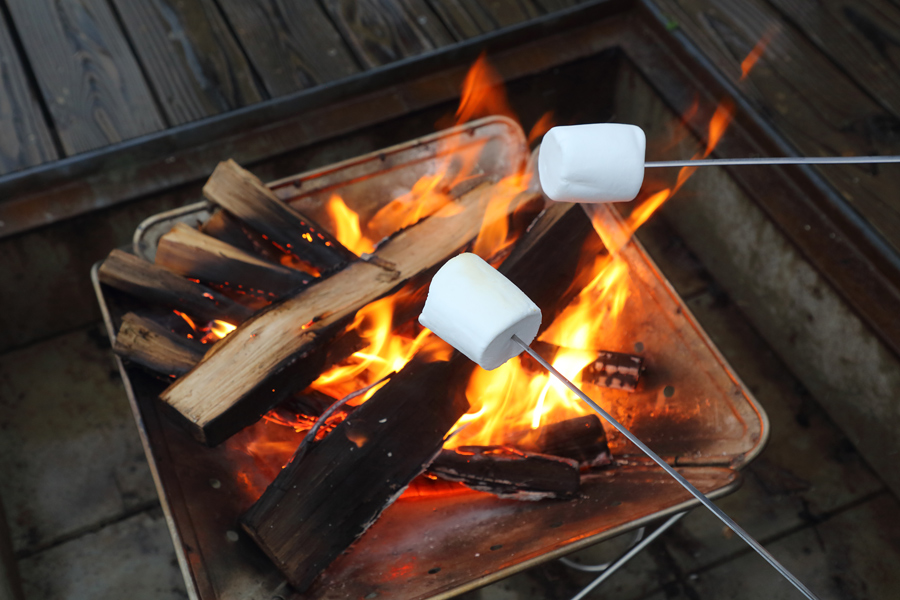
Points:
[(291, 289)]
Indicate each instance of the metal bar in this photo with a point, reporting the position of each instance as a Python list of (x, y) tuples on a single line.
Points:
[(619, 562), (672, 472), (768, 161)]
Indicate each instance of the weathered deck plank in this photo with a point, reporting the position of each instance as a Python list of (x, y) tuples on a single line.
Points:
[(193, 62), (87, 73), (510, 12), (292, 44), (384, 31), (26, 140), (862, 36), (812, 103), (461, 22)]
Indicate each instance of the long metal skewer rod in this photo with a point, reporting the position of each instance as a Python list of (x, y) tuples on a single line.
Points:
[(672, 472), (614, 566), (785, 160)]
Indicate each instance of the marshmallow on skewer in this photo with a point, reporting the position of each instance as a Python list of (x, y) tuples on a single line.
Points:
[(475, 309), (603, 162)]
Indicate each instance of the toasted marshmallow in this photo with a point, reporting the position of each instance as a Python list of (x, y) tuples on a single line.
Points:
[(477, 310), (603, 162)]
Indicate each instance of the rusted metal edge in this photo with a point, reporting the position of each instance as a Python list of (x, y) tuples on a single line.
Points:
[(149, 164)]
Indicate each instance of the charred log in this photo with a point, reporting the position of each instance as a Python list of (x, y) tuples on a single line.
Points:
[(322, 501), (614, 370), (508, 472), (187, 252), (156, 285), (244, 196), (153, 346)]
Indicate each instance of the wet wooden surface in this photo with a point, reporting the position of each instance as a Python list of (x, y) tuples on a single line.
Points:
[(192, 60), (91, 73), (89, 79)]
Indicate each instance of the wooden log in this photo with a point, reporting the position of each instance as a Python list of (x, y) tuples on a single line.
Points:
[(323, 501), (508, 472), (243, 195), (614, 370), (137, 277), (247, 373), (580, 438), (187, 252), (150, 344), (230, 230)]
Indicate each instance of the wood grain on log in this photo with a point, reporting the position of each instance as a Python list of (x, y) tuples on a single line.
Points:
[(192, 60), (322, 502), (189, 253), (243, 195), (230, 230), (152, 345), (247, 373), (509, 472), (291, 43), (137, 277), (88, 76)]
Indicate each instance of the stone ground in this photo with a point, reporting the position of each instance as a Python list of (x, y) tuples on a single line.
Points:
[(85, 522)]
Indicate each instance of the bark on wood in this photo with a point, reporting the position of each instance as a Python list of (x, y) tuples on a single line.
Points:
[(187, 252), (509, 472), (323, 501), (136, 276), (151, 345), (243, 195), (247, 373), (230, 230)]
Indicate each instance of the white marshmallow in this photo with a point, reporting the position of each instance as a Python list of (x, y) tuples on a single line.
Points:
[(603, 162), (477, 310)]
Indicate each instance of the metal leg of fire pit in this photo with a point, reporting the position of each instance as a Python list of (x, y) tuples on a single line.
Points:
[(672, 473), (631, 553)]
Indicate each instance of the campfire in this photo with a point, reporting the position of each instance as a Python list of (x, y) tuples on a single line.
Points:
[(282, 320)]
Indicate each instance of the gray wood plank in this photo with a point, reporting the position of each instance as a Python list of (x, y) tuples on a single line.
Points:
[(509, 12), (87, 73), (811, 102), (291, 43), (383, 31), (462, 21), (191, 58), (26, 140), (862, 36)]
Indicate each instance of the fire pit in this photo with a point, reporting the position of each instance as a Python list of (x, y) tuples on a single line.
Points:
[(440, 539)]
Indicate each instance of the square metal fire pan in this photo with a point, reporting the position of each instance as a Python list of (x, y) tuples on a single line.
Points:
[(437, 545)]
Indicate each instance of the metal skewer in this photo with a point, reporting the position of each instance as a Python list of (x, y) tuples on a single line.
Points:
[(672, 472), (785, 160)]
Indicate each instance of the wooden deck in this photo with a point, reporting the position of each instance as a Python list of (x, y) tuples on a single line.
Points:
[(81, 76)]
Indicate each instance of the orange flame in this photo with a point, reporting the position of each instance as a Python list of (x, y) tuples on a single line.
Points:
[(345, 226), (756, 53), (483, 93)]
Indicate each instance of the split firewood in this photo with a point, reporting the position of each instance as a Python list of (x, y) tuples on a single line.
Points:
[(187, 252), (230, 230), (248, 372), (150, 344), (156, 285), (244, 196), (322, 501), (508, 472)]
